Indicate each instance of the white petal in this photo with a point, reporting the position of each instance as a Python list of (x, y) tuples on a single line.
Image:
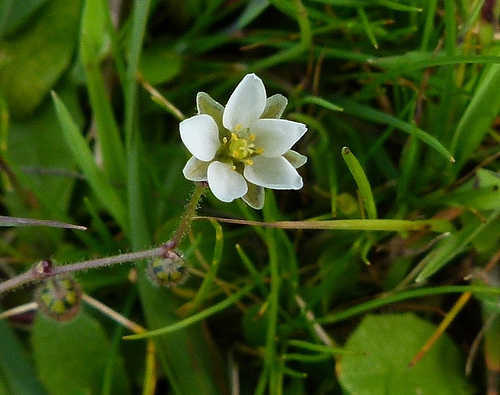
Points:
[(255, 196), (297, 160), (206, 105), (275, 106), (225, 183), (274, 173), (246, 104), (276, 136), (200, 135), (195, 169)]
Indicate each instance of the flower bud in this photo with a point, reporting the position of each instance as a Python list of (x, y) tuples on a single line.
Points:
[(168, 270), (59, 298)]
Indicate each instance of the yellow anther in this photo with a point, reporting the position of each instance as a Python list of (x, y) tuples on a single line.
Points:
[(238, 127), (249, 162), (251, 137), (225, 140), (259, 151)]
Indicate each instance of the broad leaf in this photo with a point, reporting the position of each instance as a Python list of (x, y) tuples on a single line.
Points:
[(32, 62), (71, 357), (386, 344)]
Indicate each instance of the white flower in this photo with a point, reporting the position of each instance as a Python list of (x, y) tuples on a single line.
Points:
[(245, 147)]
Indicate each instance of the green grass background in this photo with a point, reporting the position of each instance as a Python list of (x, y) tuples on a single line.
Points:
[(410, 86)]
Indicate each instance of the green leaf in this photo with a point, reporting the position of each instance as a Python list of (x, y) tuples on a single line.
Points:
[(181, 351), (479, 116), (83, 156), (71, 357), (93, 38), (386, 345), (32, 62), (322, 103), (14, 13), (159, 64), (368, 113), (387, 225), (450, 247), (16, 372), (365, 190), (38, 155)]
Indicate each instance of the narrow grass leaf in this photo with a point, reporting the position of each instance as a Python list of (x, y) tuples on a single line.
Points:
[(477, 119), (322, 103), (376, 116), (92, 40), (388, 225), (196, 317), (83, 156), (415, 293), (365, 190), (452, 246)]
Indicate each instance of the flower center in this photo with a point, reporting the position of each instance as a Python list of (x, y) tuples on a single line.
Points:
[(241, 149)]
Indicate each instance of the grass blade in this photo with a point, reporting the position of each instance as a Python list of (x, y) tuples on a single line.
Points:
[(365, 191), (196, 317), (92, 37), (372, 115), (83, 156), (415, 293), (388, 225)]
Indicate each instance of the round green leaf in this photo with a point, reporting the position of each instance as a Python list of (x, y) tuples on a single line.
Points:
[(385, 346)]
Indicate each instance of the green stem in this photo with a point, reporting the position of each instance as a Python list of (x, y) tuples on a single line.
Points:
[(188, 215)]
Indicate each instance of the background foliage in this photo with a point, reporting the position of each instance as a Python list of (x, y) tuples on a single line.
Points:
[(319, 311)]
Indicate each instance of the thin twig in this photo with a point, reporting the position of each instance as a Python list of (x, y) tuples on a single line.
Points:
[(477, 341), (17, 221), (33, 275), (19, 310), (457, 307), (157, 97), (318, 329), (114, 315)]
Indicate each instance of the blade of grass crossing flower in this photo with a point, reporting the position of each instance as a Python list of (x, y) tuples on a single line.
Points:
[(83, 156), (387, 225), (416, 293), (92, 36), (361, 180), (372, 115)]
